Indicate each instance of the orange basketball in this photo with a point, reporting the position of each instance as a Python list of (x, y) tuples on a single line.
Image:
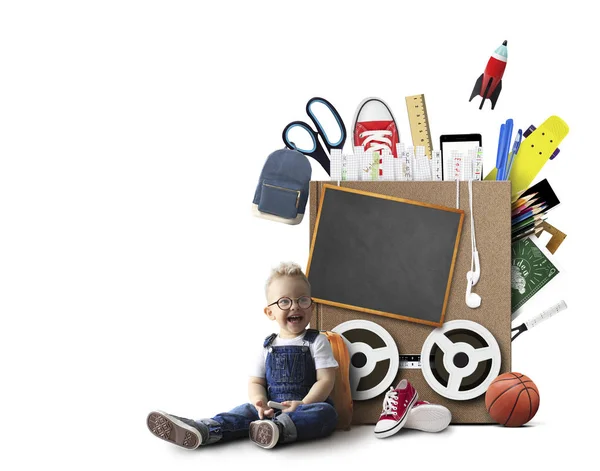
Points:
[(512, 399)]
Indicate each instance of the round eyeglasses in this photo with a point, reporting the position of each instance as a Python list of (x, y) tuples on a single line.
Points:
[(285, 303)]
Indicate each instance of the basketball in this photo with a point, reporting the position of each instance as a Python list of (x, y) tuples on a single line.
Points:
[(512, 399)]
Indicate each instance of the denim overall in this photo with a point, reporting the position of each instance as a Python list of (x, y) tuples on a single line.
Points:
[(290, 373)]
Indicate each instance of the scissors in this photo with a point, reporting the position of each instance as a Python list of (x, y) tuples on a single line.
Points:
[(316, 151)]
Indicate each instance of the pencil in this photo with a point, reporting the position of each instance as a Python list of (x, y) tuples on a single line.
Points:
[(524, 199), (527, 227), (522, 235), (527, 222), (531, 204), (528, 204), (534, 231), (527, 214)]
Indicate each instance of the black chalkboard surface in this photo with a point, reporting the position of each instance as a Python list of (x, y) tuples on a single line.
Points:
[(384, 255)]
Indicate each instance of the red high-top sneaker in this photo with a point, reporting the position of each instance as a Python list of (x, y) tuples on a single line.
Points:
[(397, 404), (374, 127)]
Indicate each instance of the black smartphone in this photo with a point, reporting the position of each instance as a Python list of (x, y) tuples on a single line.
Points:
[(459, 142)]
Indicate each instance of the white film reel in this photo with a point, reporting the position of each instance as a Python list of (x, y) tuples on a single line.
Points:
[(460, 359), (374, 358)]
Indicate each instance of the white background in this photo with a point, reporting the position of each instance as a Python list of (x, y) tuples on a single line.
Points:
[(132, 135)]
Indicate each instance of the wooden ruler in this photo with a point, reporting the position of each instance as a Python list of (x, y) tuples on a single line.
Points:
[(419, 122)]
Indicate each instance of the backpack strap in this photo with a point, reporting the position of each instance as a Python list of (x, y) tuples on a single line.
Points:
[(269, 340), (311, 335)]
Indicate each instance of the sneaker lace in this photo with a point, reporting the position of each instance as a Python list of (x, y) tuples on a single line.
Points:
[(376, 140), (390, 402)]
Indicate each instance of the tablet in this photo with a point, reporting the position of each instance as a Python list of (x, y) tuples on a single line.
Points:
[(460, 142)]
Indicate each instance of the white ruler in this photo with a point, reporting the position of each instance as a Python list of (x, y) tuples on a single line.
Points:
[(536, 320)]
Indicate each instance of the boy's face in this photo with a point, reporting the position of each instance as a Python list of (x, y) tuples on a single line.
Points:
[(293, 321)]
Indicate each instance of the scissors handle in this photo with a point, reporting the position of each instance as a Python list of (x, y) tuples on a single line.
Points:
[(308, 130), (339, 144), (315, 149)]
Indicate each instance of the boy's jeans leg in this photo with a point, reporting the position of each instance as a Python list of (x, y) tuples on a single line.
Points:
[(307, 422), (233, 424)]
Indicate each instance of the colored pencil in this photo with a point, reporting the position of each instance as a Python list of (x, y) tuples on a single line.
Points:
[(531, 204), (522, 200), (535, 231), (545, 192), (535, 228), (528, 204), (526, 222), (526, 228), (527, 214)]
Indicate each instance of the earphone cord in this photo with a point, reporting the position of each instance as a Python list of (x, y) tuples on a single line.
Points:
[(473, 242)]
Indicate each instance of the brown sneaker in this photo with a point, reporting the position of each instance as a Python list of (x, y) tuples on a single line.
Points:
[(264, 433), (174, 430)]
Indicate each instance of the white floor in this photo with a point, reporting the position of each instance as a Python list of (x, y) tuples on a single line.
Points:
[(458, 447)]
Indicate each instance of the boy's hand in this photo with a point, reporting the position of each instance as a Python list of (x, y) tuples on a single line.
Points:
[(291, 406), (263, 410)]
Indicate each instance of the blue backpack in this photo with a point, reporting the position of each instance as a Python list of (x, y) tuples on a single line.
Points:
[(282, 191)]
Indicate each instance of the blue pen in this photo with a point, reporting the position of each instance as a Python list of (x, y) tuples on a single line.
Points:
[(508, 127), (501, 152), (509, 130), (513, 154)]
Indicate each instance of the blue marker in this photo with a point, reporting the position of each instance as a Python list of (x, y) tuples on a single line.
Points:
[(501, 151), (507, 138)]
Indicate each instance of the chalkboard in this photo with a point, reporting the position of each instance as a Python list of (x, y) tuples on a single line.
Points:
[(384, 255)]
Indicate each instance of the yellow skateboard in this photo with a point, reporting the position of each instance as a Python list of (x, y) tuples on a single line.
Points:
[(534, 152)]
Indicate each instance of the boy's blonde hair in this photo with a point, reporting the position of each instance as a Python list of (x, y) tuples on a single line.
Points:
[(285, 269)]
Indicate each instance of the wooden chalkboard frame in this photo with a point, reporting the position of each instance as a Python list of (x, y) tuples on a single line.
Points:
[(401, 200)]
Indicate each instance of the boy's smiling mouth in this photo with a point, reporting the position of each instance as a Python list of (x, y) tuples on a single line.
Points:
[(295, 318)]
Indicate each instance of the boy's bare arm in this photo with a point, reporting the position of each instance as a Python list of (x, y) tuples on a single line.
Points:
[(321, 390), (257, 389), (257, 392)]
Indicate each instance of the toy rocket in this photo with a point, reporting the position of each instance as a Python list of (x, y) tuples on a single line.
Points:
[(489, 84)]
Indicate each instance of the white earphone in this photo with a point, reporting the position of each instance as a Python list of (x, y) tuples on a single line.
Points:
[(473, 300), (477, 272)]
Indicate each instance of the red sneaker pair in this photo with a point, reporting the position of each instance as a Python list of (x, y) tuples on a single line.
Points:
[(401, 408)]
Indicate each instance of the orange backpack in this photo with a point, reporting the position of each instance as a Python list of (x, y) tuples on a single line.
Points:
[(341, 394)]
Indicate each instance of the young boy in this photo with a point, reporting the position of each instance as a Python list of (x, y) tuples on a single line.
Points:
[(295, 368)]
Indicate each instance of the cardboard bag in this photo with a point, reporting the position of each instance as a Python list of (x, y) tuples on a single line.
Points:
[(492, 211)]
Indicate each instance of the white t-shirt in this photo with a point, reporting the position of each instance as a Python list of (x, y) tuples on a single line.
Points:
[(319, 349)]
